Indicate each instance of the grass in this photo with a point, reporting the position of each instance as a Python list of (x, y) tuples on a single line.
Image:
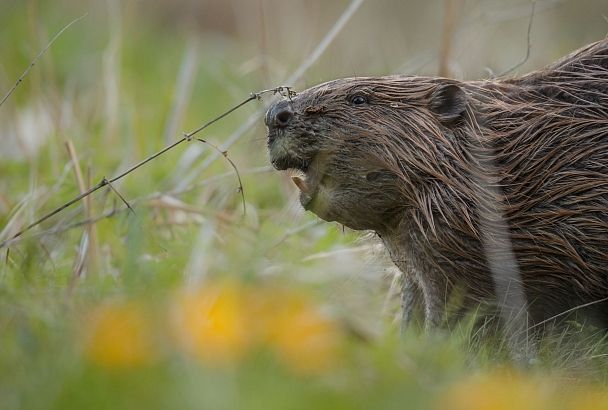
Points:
[(187, 303)]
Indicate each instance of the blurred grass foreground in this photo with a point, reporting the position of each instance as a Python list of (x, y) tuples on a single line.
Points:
[(186, 302)]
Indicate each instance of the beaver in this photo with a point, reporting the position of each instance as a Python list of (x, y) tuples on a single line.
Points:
[(496, 189)]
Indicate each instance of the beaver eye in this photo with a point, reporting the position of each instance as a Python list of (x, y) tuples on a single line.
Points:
[(358, 100)]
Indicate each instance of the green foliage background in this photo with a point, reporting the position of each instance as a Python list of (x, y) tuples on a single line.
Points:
[(110, 86)]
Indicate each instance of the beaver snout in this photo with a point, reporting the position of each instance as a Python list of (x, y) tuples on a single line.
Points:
[(279, 114)]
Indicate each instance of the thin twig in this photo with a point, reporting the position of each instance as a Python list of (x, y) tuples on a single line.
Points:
[(238, 175), (122, 198), (187, 137), (114, 211), (40, 54), (522, 62)]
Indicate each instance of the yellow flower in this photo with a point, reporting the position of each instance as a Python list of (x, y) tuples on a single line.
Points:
[(119, 336), (210, 323), (589, 398), (305, 340), (504, 390), (499, 391), (221, 321)]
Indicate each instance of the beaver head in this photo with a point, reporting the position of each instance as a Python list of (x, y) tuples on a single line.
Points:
[(365, 147)]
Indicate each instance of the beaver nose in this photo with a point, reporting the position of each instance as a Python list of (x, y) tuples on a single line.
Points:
[(279, 115)]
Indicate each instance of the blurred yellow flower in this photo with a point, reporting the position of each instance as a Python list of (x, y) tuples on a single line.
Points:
[(210, 323), (501, 390), (221, 321), (504, 390), (589, 398), (305, 340), (119, 336)]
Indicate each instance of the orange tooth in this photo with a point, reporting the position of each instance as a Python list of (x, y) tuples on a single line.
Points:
[(301, 184)]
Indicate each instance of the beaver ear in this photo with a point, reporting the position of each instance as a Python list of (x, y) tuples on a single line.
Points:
[(448, 101)]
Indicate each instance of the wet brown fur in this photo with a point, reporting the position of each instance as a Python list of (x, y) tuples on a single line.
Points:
[(438, 167)]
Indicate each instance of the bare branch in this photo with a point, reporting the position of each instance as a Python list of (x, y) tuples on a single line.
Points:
[(115, 211), (187, 137), (238, 175), (40, 54), (122, 198)]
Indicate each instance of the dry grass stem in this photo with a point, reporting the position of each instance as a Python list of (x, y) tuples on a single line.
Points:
[(87, 240), (451, 8), (187, 137), (233, 165), (35, 60), (527, 56)]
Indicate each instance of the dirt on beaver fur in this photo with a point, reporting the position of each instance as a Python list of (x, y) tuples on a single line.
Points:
[(496, 189)]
